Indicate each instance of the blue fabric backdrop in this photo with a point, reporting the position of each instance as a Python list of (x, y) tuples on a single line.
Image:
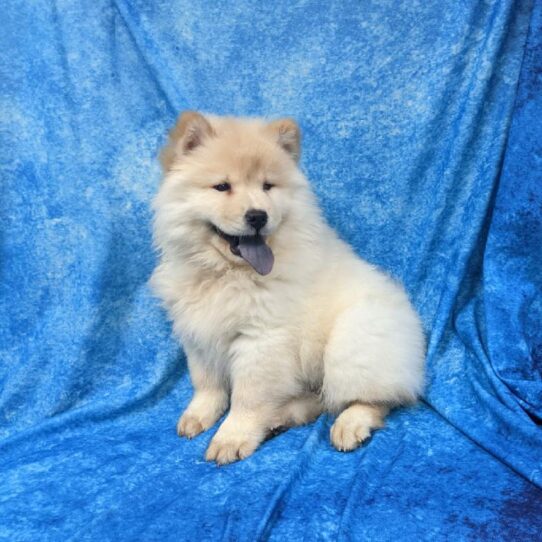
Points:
[(422, 127)]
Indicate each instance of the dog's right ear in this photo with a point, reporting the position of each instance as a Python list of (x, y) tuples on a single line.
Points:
[(188, 133)]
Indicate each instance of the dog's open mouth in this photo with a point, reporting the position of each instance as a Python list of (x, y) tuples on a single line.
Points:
[(252, 248)]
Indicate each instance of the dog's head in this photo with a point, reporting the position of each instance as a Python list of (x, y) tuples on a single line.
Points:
[(230, 186)]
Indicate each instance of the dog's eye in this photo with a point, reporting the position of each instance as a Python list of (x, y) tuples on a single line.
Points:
[(267, 186), (222, 187)]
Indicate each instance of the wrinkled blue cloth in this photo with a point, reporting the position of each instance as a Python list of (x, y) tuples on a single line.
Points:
[(422, 128)]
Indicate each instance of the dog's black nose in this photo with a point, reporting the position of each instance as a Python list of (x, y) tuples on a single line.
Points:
[(256, 218)]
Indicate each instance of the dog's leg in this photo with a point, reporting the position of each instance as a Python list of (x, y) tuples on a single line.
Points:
[(210, 398), (354, 425), (373, 357), (299, 411), (263, 378), (239, 435)]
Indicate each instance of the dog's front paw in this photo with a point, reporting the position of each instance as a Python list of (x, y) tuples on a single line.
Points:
[(203, 412), (229, 449), (189, 425), (229, 444)]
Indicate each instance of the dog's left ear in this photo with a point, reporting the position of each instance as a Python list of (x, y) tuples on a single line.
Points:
[(288, 135)]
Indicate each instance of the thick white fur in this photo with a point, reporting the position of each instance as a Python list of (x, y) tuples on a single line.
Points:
[(323, 331)]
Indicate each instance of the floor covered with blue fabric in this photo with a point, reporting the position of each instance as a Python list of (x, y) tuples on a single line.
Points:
[(422, 126)]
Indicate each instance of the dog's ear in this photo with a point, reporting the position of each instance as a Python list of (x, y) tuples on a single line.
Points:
[(188, 133), (288, 135)]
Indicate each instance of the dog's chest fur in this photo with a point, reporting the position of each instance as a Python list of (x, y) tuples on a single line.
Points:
[(211, 310)]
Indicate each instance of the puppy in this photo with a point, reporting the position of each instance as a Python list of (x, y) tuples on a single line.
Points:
[(278, 317)]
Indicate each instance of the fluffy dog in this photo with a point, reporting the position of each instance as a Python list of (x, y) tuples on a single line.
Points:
[(278, 317)]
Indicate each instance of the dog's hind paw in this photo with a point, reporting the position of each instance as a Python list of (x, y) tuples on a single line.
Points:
[(355, 424)]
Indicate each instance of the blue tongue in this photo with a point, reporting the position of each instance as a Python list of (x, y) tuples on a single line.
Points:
[(256, 253)]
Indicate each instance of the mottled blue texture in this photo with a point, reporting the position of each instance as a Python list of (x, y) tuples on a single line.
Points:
[(422, 129)]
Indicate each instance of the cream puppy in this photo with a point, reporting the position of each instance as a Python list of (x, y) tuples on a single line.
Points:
[(280, 319)]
